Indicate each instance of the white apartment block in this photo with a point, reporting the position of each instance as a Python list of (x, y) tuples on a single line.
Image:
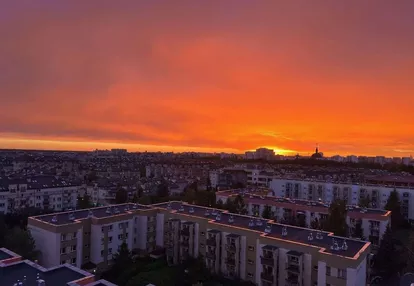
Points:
[(373, 221), (94, 235), (43, 192), (245, 247), (377, 190)]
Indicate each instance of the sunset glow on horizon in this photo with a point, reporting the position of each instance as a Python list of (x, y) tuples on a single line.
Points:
[(208, 76)]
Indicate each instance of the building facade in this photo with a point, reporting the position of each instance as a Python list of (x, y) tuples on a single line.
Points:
[(375, 190), (236, 246)]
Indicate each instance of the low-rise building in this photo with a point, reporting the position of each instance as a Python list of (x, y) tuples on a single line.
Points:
[(14, 271)]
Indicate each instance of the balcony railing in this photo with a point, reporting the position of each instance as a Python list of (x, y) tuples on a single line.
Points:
[(267, 260), (185, 231), (211, 241), (293, 268), (210, 255), (267, 276), (231, 247), (231, 261)]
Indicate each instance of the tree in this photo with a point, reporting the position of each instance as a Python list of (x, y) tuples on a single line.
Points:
[(121, 261), (301, 221), (135, 199), (359, 231), (21, 242), (393, 205), (267, 212), (315, 224), (83, 202), (240, 205), (3, 231), (386, 260), (336, 221), (162, 189), (365, 202), (121, 196)]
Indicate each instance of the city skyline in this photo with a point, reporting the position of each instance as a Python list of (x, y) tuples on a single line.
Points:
[(210, 77)]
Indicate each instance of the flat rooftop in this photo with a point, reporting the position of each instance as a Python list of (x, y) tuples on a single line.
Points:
[(4, 255), (29, 272), (271, 229), (99, 212)]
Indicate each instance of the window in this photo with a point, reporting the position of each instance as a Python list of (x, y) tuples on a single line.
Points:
[(120, 225), (86, 257), (63, 250), (328, 270), (250, 261), (73, 248), (251, 248), (120, 236), (74, 234), (63, 237), (102, 253), (110, 250), (110, 238), (63, 262), (126, 235), (249, 275), (203, 233), (86, 245), (342, 273), (110, 227), (201, 245), (73, 260)]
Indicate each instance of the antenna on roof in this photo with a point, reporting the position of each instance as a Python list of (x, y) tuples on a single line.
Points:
[(251, 223), (218, 217), (181, 209), (268, 228), (284, 231), (126, 208), (191, 210), (231, 219), (319, 235), (259, 222), (344, 245), (71, 217), (310, 236), (90, 213), (135, 206), (207, 212), (54, 219)]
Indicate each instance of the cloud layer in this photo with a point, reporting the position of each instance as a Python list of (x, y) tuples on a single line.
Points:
[(210, 74)]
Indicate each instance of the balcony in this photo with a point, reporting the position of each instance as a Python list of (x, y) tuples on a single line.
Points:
[(185, 243), (211, 241), (231, 247), (267, 276), (210, 255), (293, 268), (267, 260), (185, 232), (231, 261)]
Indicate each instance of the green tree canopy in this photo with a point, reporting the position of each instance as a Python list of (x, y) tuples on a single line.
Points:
[(121, 261), (386, 260), (359, 231), (21, 242), (336, 221), (163, 190), (393, 205), (267, 212), (121, 196), (84, 202), (240, 206), (364, 202)]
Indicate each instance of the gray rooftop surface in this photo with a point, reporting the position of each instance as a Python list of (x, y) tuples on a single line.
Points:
[(295, 234), (56, 277), (99, 212), (4, 255)]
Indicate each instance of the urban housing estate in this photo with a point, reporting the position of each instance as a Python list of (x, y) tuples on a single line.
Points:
[(236, 246)]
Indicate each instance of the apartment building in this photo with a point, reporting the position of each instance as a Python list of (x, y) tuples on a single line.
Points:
[(376, 189), (14, 271), (373, 221), (93, 236), (236, 246), (259, 250), (45, 192)]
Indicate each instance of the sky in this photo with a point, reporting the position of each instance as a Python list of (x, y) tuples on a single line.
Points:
[(210, 75)]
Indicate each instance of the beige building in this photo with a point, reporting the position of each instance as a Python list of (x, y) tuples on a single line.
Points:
[(235, 246)]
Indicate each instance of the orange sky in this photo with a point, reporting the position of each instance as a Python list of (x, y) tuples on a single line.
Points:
[(208, 75)]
